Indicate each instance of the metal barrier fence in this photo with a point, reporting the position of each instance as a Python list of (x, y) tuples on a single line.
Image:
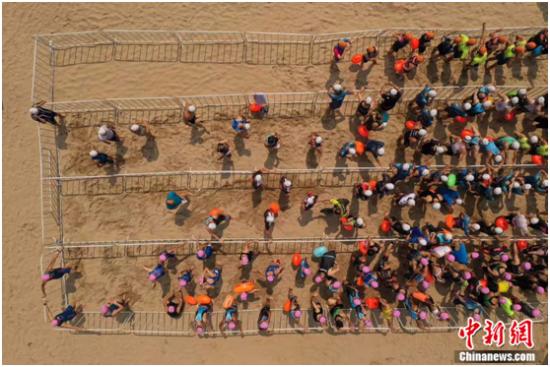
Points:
[(169, 110)]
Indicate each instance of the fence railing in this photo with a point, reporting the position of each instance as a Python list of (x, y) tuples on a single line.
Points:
[(257, 48), (169, 110)]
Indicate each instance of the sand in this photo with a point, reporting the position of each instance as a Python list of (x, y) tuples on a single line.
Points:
[(27, 339)]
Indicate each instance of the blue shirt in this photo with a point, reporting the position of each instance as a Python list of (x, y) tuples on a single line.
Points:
[(175, 198), (337, 99), (461, 256), (476, 109), (422, 97), (491, 147)]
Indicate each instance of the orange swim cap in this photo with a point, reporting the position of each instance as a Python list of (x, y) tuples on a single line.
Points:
[(343, 44), (502, 39), (430, 35), (482, 50), (214, 213), (275, 208), (471, 42), (420, 59), (371, 49), (255, 108), (520, 50), (531, 45), (408, 36), (457, 39)]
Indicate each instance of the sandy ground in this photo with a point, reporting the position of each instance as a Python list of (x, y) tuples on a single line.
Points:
[(27, 339)]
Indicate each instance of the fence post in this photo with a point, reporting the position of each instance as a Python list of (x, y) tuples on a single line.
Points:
[(245, 47), (180, 45), (310, 55)]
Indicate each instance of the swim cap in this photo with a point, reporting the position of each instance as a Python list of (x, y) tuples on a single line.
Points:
[(365, 269), (467, 138), (504, 257), (433, 112), (406, 166), (422, 242), (459, 201), (432, 93), (317, 279), (534, 139), (191, 108), (476, 227), (424, 261), (497, 191), (183, 282), (45, 277), (134, 128), (485, 176), (516, 185), (171, 309), (200, 330), (212, 226), (297, 314), (471, 42), (374, 284), (104, 309), (448, 236), (270, 218), (411, 202), (406, 227), (356, 301), (527, 265), (337, 87), (231, 325), (247, 126), (498, 158), (491, 88), (360, 222), (514, 100), (540, 290), (258, 178), (55, 322), (393, 92), (485, 141), (201, 253), (522, 91), (270, 278), (152, 277), (351, 151), (487, 104), (498, 230), (93, 153), (318, 140), (244, 259), (469, 177), (264, 325), (540, 100), (322, 320), (507, 276), (436, 206), (531, 45), (467, 106), (422, 132), (380, 151), (33, 110), (425, 172), (367, 193), (244, 296), (444, 178), (515, 145), (306, 271), (440, 150), (369, 100), (534, 220), (287, 183), (527, 186), (103, 130), (389, 186)]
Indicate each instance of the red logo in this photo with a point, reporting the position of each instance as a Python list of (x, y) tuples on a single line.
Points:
[(520, 332)]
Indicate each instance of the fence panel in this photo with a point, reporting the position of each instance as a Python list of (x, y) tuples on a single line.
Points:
[(85, 113), (277, 48), (222, 107), (145, 46), (43, 72), (285, 105), (322, 45), (80, 48), (161, 110), (107, 185), (212, 47)]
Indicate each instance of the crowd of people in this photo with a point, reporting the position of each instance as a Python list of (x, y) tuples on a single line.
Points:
[(470, 257)]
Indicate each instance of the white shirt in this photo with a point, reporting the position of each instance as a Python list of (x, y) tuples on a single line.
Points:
[(405, 198), (109, 134)]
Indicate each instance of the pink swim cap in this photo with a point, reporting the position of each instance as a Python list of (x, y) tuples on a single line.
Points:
[(163, 257), (322, 320), (104, 309), (507, 276), (244, 296), (264, 325), (477, 316), (374, 284), (451, 257), (244, 260), (475, 255), (200, 330), (365, 269), (356, 301), (467, 275), (423, 315), (231, 325), (536, 312), (485, 290), (270, 278), (183, 282), (396, 313), (200, 253), (318, 279), (45, 277), (171, 309), (540, 290), (502, 300), (527, 265), (400, 296), (516, 307), (306, 271), (55, 322), (297, 314), (425, 284), (444, 316), (152, 277), (504, 257), (336, 284), (424, 261)]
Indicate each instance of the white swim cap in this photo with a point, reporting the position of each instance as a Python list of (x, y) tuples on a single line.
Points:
[(380, 151), (448, 236), (270, 218), (444, 178), (247, 126), (486, 176), (93, 153), (406, 227), (467, 106), (318, 140), (360, 221), (258, 178), (411, 202), (516, 185), (498, 230), (522, 91), (527, 186), (351, 151), (393, 91), (534, 139), (459, 201), (425, 172), (497, 191), (432, 93), (191, 108), (422, 241), (406, 166), (369, 100), (544, 183), (514, 100), (534, 220), (367, 193), (484, 141), (211, 225), (389, 186), (498, 158), (134, 128), (440, 150), (103, 130), (433, 112), (436, 205), (33, 110), (540, 100), (469, 177), (514, 145), (476, 227), (287, 183), (491, 88), (422, 132), (467, 138), (487, 104), (337, 87)]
